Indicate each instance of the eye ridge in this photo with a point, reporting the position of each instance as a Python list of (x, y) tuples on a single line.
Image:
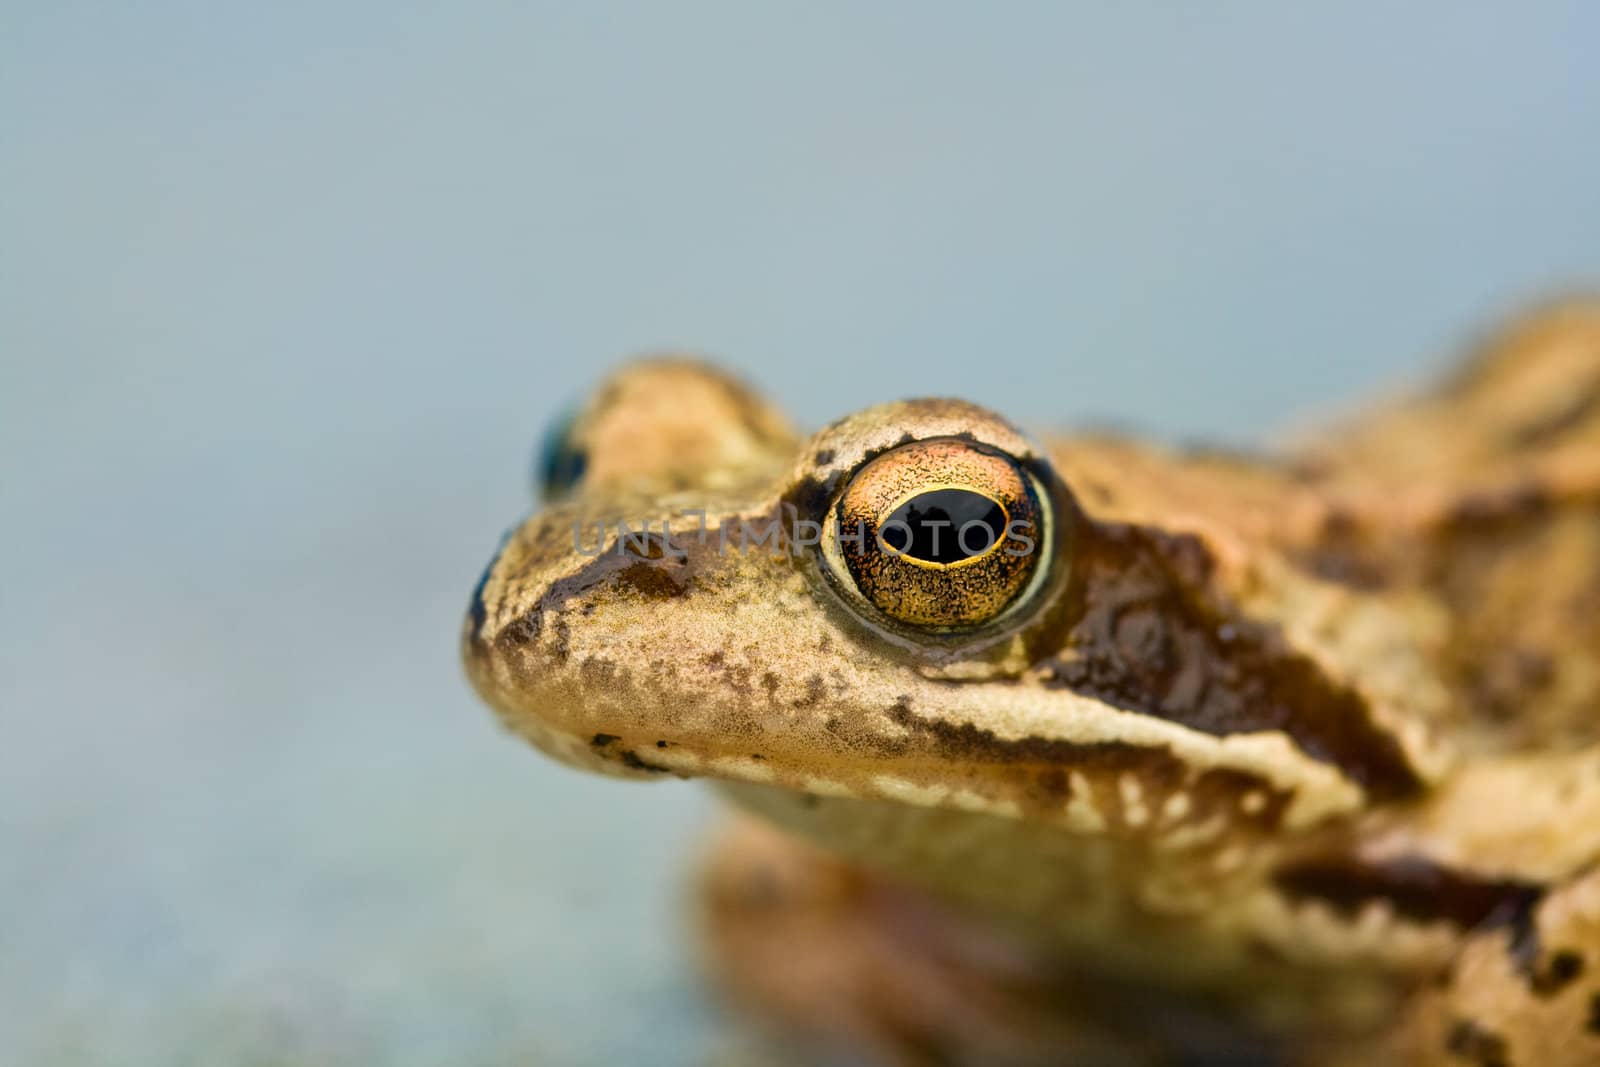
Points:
[(938, 538)]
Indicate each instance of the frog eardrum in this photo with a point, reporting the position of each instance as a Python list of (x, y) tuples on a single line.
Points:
[(940, 533)]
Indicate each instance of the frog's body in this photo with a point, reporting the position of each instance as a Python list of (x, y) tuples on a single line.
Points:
[(1243, 750)]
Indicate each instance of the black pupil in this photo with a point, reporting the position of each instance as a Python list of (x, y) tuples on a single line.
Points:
[(945, 526)]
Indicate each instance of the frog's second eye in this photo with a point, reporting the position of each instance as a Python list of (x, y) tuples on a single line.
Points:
[(561, 460), (942, 534)]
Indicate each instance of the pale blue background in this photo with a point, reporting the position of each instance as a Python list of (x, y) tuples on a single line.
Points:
[(287, 292)]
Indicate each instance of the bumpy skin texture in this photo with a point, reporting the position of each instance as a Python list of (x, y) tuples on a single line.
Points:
[(1522, 993), (1266, 746)]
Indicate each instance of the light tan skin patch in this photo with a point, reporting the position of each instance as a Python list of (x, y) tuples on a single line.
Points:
[(1218, 670)]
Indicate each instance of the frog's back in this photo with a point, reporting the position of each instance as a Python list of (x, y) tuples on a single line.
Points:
[(1478, 500), (1527, 403), (1486, 494)]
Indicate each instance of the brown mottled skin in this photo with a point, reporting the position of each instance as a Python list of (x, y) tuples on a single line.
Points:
[(1283, 759)]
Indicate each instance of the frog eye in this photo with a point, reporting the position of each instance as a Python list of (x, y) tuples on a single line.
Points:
[(942, 533), (561, 460)]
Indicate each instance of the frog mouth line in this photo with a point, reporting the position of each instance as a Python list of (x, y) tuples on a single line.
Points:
[(1327, 722)]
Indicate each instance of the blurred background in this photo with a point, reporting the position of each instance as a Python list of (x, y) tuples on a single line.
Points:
[(288, 292)]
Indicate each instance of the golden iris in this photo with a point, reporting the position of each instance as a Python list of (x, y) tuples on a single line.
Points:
[(943, 533)]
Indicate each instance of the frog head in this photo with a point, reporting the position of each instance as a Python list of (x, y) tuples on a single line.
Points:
[(912, 605)]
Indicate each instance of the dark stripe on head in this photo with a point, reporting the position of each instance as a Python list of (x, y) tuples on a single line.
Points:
[(1146, 636)]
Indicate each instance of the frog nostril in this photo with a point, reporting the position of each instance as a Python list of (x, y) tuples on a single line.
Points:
[(478, 608)]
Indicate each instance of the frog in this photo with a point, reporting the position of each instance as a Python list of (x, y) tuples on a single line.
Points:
[(1090, 748)]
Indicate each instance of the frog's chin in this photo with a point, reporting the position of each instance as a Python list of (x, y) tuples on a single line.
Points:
[(584, 745)]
